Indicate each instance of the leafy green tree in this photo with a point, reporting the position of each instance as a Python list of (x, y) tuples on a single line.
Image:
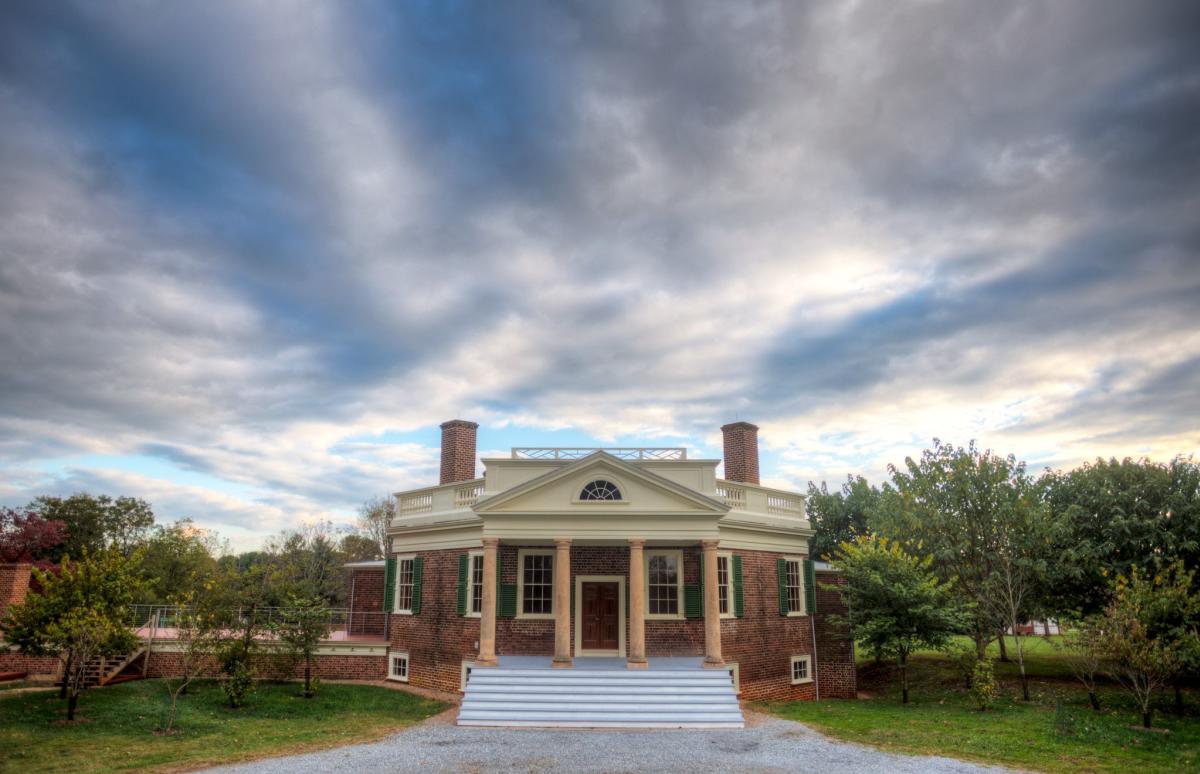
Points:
[(1113, 514), (306, 563), (950, 504), (1149, 631), (303, 626), (97, 523), (1083, 643), (177, 558), (358, 548), (197, 632), (839, 516), (77, 614), (896, 602)]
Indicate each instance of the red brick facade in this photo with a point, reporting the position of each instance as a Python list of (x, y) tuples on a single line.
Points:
[(14, 582), (365, 585), (458, 451), (741, 452), (327, 667), (762, 642)]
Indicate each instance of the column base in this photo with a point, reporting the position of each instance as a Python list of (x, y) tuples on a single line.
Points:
[(632, 664), (717, 664), (562, 663), (485, 662)]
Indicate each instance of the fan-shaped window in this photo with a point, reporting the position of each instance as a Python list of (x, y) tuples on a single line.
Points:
[(600, 490)]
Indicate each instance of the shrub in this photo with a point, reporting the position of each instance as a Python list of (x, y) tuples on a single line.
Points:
[(983, 685), (237, 683)]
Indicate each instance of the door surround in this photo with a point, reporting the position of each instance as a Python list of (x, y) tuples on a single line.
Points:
[(621, 614)]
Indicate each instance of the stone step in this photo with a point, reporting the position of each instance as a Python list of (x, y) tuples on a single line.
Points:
[(627, 706), (685, 692)]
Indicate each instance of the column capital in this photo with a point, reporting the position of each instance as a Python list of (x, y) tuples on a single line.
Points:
[(710, 543), (562, 542), (637, 542), (491, 542)]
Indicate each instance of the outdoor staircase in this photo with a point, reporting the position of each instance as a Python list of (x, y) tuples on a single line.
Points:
[(108, 670), (592, 697)]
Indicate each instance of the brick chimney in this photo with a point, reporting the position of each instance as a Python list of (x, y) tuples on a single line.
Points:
[(741, 452), (458, 450)]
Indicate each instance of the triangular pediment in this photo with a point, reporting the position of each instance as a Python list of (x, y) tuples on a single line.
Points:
[(641, 492)]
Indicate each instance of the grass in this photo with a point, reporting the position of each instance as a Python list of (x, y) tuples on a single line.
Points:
[(1056, 731), (116, 730)]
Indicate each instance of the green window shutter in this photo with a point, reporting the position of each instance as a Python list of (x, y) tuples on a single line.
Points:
[(701, 583), (781, 572), (810, 588), (464, 566), (508, 600), (418, 566), (389, 584), (692, 601), (739, 604)]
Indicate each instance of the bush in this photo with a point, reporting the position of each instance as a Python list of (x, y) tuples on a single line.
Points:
[(983, 685), (964, 659), (238, 683)]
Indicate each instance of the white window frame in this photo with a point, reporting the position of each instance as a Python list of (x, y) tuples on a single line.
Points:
[(396, 588), (471, 611), (604, 476), (808, 678), (728, 557), (392, 666), (678, 554), (521, 554), (799, 560)]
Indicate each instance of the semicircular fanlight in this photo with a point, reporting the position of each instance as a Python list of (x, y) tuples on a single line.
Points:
[(600, 490)]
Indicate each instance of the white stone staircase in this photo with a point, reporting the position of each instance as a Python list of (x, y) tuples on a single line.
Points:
[(600, 697)]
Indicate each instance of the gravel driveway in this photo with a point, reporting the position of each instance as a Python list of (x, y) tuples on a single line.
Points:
[(767, 744)]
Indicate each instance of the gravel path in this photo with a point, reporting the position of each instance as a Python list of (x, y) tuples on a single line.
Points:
[(767, 744)]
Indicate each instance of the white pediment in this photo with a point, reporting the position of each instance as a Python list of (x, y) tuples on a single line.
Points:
[(642, 492)]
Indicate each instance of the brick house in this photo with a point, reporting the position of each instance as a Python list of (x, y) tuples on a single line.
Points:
[(614, 566)]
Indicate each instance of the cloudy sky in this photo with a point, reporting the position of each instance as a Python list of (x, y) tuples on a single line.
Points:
[(251, 253)]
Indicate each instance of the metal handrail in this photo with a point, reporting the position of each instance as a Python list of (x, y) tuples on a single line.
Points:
[(579, 452)]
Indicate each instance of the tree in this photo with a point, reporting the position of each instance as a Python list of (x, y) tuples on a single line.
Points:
[(1110, 515), (197, 631), (97, 523), (306, 563), (26, 536), (1150, 631), (949, 504), (374, 518), (358, 548), (1021, 543), (896, 602), (839, 516), (1084, 645), (177, 558), (78, 614), (301, 629)]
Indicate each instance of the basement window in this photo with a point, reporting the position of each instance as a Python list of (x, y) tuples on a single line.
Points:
[(398, 667), (801, 669)]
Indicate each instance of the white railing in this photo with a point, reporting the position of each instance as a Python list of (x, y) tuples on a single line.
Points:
[(734, 496), (577, 453), (467, 495), (417, 503), (788, 506)]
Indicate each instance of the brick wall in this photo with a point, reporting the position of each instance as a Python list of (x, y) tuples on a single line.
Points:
[(837, 673), (14, 582), (327, 667), (762, 642), (365, 588), (741, 452), (34, 665)]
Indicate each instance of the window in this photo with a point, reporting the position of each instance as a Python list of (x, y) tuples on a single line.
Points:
[(724, 585), (801, 669), (476, 584), (600, 490), (404, 584), (663, 582), (536, 583), (794, 588), (398, 667)]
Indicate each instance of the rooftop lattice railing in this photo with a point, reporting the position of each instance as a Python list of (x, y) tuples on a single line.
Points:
[(579, 452)]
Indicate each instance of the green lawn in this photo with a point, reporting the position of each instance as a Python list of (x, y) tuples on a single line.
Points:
[(116, 730), (1056, 731)]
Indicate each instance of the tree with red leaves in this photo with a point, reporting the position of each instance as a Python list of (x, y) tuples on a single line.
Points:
[(26, 536)]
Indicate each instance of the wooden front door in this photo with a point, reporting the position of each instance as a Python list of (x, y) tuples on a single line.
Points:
[(600, 622)]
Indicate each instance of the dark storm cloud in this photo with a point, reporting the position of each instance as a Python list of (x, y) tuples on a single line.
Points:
[(227, 228)]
